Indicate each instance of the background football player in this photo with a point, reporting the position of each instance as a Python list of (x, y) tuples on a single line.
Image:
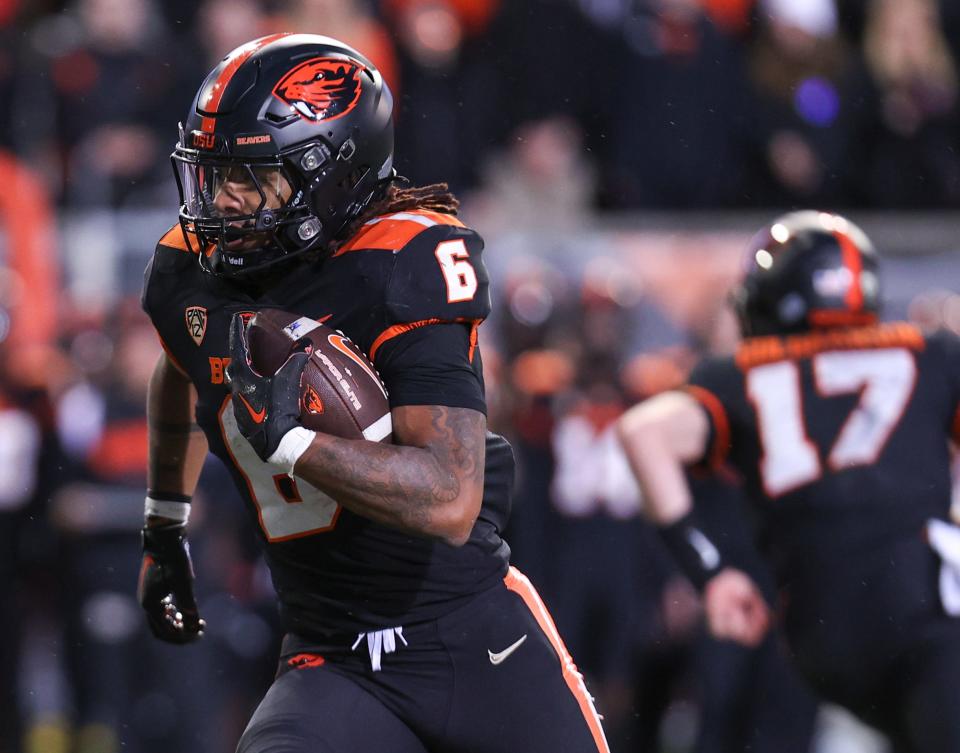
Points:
[(840, 427), (407, 630)]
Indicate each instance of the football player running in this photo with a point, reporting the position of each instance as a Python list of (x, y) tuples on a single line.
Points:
[(840, 427), (407, 630)]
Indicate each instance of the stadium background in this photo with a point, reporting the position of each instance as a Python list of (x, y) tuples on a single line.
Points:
[(615, 154)]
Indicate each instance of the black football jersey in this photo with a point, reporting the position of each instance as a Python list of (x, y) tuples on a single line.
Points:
[(842, 437), (410, 289)]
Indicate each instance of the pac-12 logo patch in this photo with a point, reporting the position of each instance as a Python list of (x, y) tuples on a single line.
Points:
[(322, 88), (196, 322)]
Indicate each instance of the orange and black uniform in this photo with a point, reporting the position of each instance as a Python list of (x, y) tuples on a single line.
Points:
[(379, 620), (842, 438)]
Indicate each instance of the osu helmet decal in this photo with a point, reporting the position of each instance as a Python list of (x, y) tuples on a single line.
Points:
[(321, 89), (260, 184)]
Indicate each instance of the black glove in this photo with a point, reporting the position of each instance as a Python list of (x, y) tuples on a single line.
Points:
[(165, 589), (266, 407)]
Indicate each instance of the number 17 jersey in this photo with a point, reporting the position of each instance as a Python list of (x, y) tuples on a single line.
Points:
[(841, 436)]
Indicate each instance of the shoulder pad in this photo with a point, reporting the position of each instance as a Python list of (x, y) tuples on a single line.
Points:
[(392, 232), (175, 238), (169, 260), (713, 384), (439, 275)]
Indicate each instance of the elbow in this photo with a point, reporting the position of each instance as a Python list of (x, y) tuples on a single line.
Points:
[(459, 538), (455, 523)]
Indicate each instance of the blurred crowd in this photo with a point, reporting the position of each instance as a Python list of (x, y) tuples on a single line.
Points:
[(676, 103), (540, 114)]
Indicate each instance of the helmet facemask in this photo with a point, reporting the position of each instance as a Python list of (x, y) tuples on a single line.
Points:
[(245, 214)]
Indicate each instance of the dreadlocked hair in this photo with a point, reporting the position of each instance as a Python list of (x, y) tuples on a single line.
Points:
[(435, 197)]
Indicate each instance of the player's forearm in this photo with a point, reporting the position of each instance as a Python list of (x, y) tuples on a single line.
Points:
[(176, 454), (177, 446), (666, 494), (660, 437), (411, 488), (657, 465)]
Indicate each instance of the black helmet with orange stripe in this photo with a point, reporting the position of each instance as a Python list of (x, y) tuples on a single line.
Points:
[(287, 141), (807, 270)]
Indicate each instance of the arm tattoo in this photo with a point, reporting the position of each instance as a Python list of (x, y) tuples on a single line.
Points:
[(438, 456), (460, 441)]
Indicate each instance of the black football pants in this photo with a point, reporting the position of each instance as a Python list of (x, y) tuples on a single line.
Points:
[(491, 677)]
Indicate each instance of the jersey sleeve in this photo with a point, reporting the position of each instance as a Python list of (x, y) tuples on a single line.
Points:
[(435, 298), (713, 384), (433, 365), (170, 258), (439, 276), (156, 286), (161, 281)]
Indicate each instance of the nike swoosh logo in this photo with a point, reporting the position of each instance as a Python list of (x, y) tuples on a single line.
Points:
[(257, 416), (337, 342), (501, 656)]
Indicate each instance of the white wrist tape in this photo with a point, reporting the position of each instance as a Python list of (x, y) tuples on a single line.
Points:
[(165, 508), (294, 443)]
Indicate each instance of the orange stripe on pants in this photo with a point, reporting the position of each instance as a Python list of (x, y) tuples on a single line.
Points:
[(520, 585)]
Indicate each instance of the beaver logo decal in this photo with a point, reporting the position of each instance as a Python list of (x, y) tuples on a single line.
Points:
[(321, 88)]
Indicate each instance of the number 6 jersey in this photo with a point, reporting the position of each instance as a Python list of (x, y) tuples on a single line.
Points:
[(410, 289), (842, 437)]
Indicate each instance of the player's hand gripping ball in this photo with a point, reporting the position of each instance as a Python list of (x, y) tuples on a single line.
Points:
[(287, 370)]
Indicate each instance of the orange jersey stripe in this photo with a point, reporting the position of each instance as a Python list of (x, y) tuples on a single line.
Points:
[(398, 329), (759, 350), (520, 585), (386, 235), (393, 231), (240, 56), (474, 331), (175, 238), (721, 424)]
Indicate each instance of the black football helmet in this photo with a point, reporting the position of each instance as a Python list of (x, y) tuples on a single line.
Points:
[(807, 270), (288, 139)]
